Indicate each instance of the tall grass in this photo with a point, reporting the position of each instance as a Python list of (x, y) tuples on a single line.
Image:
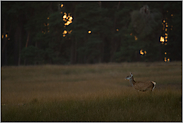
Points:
[(91, 93)]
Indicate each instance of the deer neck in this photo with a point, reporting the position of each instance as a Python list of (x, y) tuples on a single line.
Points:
[(132, 81)]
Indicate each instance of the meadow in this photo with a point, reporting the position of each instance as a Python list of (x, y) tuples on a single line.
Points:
[(97, 92)]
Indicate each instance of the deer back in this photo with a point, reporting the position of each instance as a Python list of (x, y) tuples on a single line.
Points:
[(143, 86)]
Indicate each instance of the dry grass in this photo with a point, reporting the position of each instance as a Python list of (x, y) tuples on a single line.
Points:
[(88, 87)]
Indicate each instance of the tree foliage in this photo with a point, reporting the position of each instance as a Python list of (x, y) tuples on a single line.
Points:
[(36, 33)]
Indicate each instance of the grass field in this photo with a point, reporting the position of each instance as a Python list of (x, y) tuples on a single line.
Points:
[(91, 92)]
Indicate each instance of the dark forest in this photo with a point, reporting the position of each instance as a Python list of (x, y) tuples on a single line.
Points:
[(35, 33)]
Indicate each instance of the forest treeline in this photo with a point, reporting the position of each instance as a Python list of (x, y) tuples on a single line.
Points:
[(90, 32)]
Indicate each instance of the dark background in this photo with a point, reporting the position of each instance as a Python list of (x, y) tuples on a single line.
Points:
[(33, 32)]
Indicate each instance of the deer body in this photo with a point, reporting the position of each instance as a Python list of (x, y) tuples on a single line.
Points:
[(141, 86)]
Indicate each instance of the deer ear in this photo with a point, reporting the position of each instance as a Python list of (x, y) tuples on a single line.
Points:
[(131, 74)]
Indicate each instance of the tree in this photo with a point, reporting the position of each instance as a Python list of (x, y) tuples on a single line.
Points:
[(90, 32), (93, 20), (145, 28)]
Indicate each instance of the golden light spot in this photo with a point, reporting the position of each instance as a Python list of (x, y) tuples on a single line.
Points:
[(65, 32), (166, 34), (62, 5), (145, 52), (2, 36), (136, 38), (48, 24), (166, 40), (6, 35), (89, 31), (61, 12), (166, 37), (165, 43), (64, 16), (117, 29), (166, 25), (172, 15), (48, 18), (67, 23), (67, 19), (168, 60), (70, 18), (63, 35), (64, 19), (141, 52), (163, 21), (165, 53), (165, 59), (165, 29), (162, 39)]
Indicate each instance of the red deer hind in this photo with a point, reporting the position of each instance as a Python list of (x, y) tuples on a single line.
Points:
[(141, 86)]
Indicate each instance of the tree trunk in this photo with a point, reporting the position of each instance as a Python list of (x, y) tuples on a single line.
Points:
[(4, 39), (16, 41), (3, 43), (17, 44), (113, 41), (73, 54), (27, 39), (19, 41)]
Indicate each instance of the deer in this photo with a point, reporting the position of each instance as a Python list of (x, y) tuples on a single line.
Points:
[(141, 86)]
